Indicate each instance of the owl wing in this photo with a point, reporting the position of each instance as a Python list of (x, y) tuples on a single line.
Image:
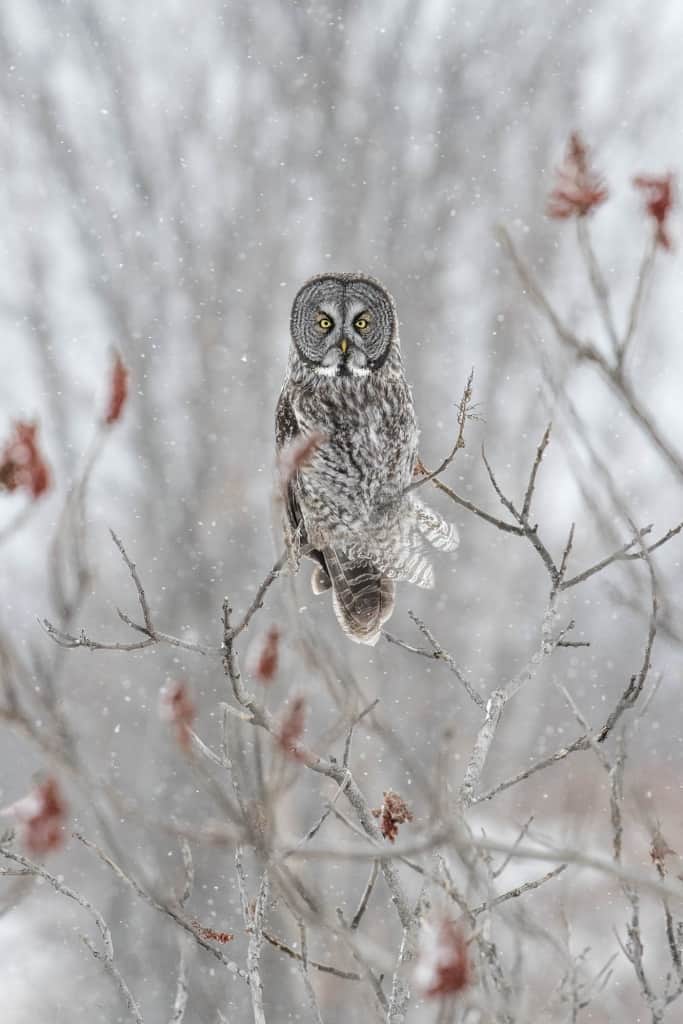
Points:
[(402, 553), (441, 534), (286, 431)]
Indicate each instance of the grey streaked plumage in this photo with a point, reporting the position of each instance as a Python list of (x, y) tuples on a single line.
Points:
[(345, 380)]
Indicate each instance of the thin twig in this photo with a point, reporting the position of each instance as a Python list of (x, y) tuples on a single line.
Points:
[(500, 524), (587, 351), (530, 532), (303, 965), (519, 890), (623, 554), (257, 603), (142, 597), (365, 898), (540, 451), (463, 412), (598, 283), (254, 951), (332, 769), (644, 274), (105, 956), (323, 968), (440, 654), (400, 992), (583, 349), (189, 926), (151, 634), (349, 736), (522, 834), (182, 990)]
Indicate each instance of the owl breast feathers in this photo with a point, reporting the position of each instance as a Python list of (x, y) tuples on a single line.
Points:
[(347, 504)]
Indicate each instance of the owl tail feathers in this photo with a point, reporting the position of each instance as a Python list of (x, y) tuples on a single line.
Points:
[(363, 599), (436, 530)]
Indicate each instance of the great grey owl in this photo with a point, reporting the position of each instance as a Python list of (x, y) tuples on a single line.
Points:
[(347, 505)]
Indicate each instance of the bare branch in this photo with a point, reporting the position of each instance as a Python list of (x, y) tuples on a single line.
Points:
[(349, 736), (636, 683), (142, 597), (598, 283), (530, 532), (365, 898), (482, 745), (254, 950), (152, 635), (540, 451), (583, 349), (189, 926), (323, 968), (303, 964), (587, 351), (463, 414), (506, 860), (500, 524), (438, 653), (332, 769), (519, 890), (257, 603), (565, 554), (644, 274), (623, 554), (400, 992), (182, 990), (105, 956), (68, 640)]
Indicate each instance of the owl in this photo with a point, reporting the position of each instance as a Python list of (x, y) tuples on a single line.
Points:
[(347, 504)]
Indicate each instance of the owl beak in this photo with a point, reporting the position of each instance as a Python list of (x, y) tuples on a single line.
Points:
[(344, 346)]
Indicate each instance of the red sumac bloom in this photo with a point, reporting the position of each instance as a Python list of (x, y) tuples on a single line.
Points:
[(177, 708), (264, 656), (212, 934), (659, 200), (118, 390), (297, 454), (22, 465), (443, 965), (393, 812), (291, 728), (41, 814), (579, 189)]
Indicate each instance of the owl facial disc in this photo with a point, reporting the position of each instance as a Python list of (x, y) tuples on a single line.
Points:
[(343, 325)]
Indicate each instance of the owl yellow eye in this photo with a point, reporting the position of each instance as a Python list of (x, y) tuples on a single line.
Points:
[(361, 324), (325, 323)]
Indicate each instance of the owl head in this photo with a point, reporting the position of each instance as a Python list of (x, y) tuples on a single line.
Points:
[(343, 324)]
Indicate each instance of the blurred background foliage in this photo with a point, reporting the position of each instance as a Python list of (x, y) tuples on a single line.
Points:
[(171, 173)]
